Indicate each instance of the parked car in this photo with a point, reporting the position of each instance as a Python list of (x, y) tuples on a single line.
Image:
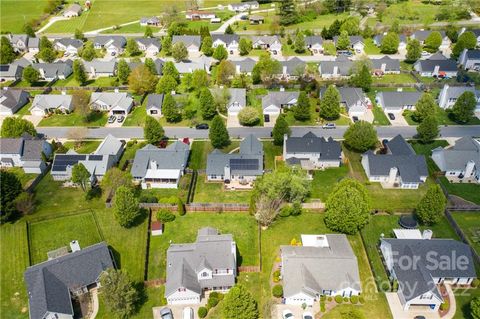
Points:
[(187, 313), (355, 119), (391, 116), (419, 317), (202, 126), (307, 315), (329, 126), (425, 54), (344, 52), (111, 119), (287, 314), (166, 313), (120, 119)]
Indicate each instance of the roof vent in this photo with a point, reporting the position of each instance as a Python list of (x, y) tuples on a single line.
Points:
[(74, 246)]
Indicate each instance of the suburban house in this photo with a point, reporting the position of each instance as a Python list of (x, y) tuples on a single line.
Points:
[(154, 104), (275, 101), (67, 45), (106, 155), (461, 162), (44, 104), (436, 66), (339, 68), (377, 40), (202, 63), (385, 65), (270, 43), (323, 265), (229, 42), (356, 43), (256, 19), (243, 6), (291, 69), (113, 44), (397, 101), (26, 151), (73, 10), (209, 264), (470, 59), (192, 42), (237, 99), (19, 42), (10, 72), (100, 68), (200, 15), (353, 99), (417, 281), (33, 45), (243, 166), (155, 167), (312, 152), (400, 167), (449, 95), (244, 66), (12, 100), (54, 71), (149, 21), (51, 285), (151, 46), (314, 43), (116, 103), (422, 35)]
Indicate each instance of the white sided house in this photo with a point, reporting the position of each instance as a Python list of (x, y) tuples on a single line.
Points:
[(209, 264), (229, 42), (44, 104), (275, 101), (449, 95), (191, 42), (116, 103), (26, 151), (270, 43)]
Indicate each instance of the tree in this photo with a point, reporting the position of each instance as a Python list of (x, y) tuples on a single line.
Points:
[(79, 72), (343, 41), (153, 131), (170, 109), (114, 178), (47, 52), (120, 294), (244, 46), (330, 103), (132, 47), (299, 43), (25, 203), (464, 108), (166, 84), (206, 47), (225, 72), (280, 129), (81, 101), (414, 50), (428, 130), (218, 133), (351, 25), (452, 33), (361, 136), (79, 35), (167, 45), (347, 208), (433, 42), (141, 80), (431, 207), (200, 79), (466, 40), (126, 206), (265, 69), (363, 78), (170, 69), (207, 104), (239, 304), (475, 308), (10, 188), (123, 71), (390, 43), (179, 51), (148, 32), (395, 27), (88, 52), (220, 53), (241, 81), (301, 111), (30, 74), (248, 116), (7, 54), (81, 176), (16, 126), (28, 30), (229, 30), (151, 66), (425, 106)]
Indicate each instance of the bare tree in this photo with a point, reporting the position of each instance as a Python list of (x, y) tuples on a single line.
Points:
[(80, 100)]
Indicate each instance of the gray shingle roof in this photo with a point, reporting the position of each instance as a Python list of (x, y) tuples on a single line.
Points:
[(100, 66), (74, 8), (109, 146), (310, 143), (11, 145), (52, 101), (226, 38), (187, 40), (55, 69), (349, 96), (267, 39), (154, 101), (421, 35), (32, 150), (149, 41), (113, 99), (343, 65), (395, 99), (69, 41), (246, 65), (456, 157), (11, 71), (294, 66), (312, 40), (353, 39), (117, 41), (473, 54), (13, 99), (279, 98), (391, 65), (430, 64)]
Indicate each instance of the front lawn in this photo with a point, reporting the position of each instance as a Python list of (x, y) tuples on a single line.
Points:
[(85, 147), (467, 191), (463, 297), (379, 116), (426, 149), (74, 119), (442, 118), (324, 181), (136, 117), (100, 82), (214, 192), (370, 47), (469, 222), (401, 78), (200, 150)]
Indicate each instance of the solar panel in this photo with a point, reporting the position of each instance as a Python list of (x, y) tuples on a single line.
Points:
[(62, 161), (95, 157), (246, 164)]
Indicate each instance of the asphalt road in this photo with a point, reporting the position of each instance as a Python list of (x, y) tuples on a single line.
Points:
[(180, 132)]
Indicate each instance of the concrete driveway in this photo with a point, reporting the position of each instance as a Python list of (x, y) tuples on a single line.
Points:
[(277, 310), (398, 312), (232, 121), (177, 310), (398, 121)]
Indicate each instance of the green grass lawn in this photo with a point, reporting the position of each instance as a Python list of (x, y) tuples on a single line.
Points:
[(136, 117), (24, 83), (401, 78), (426, 149), (379, 116), (324, 181), (131, 28), (469, 222), (208, 192), (463, 297), (324, 20), (409, 12), (270, 151), (25, 178), (70, 81), (54, 233), (86, 147), (442, 118), (14, 13), (200, 150), (370, 47), (74, 119), (129, 153), (470, 192), (14, 257), (184, 229)]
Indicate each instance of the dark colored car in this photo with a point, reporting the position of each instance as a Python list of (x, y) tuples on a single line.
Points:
[(355, 119), (166, 313), (391, 116), (120, 118), (202, 126), (111, 119)]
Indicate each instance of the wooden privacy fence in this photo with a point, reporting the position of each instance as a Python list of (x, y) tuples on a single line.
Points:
[(249, 269), (154, 282), (200, 207), (460, 233)]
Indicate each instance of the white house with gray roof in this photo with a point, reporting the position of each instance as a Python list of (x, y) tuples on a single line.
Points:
[(291, 69), (426, 268), (54, 71), (208, 264), (244, 166), (201, 63), (449, 95), (353, 99), (339, 68), (154, 104), (397, 101), (244, 66), (229, 42), (73, 10), (52, 284), (19, 42), (153, 21), (356, 43), (100, 68), (323, 265), (275, 101), (270, 43), (436, 66), (12, 100), (377, 40), (44, 104), (400, 168), (385, 65), (26, 151), (155, 167), (151, 46), (112, 44), (68, 45), (314, 43), (461, 162), (312, 152), (422, 35), (243, 6), (10, 72), (470, 59), (114, 102), (191, 42)]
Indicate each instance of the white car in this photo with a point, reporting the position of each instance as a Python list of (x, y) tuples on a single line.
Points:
[(187, 313), (307, 315), (287, 314)]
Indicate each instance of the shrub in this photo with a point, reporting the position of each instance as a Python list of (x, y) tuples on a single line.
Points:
[(338, 299), (165, 216), (285, 211), (212, 302), (148, 199), (323, 298), (322, 307), (202, 312), (94, 192), (346, 299), (329, 299), (248, 116), (354, 299), (475, 283), (395, 285), (277, 291), (444, 305), (296, 209), (361, 299), (214, 294), (180, 208), (276, 279), (276, 273)]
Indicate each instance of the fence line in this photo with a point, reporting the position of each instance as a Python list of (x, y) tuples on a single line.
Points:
[(460, 233), (145, 271), (248, 269), (37, 179), (200, 207)]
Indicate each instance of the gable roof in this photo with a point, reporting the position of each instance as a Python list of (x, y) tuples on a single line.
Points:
[(11, 145), (226, 38), (343, 66), (109, 146), (55, 69), (70, 42), (473, 54), (456, 157), (237, 96), (11, 70), (52, 101), (117, 41), (149, 42), (13, 99), (354, 39), (279, 98), (313, 39), (392, 99), (267, 39), (446, 65), (390, 64), (246, 65), (100, 66), (188, 40), (421, 35), (154, 101), (113, 99), (74, 8), (349, 96), (311, 144), (294, 66)]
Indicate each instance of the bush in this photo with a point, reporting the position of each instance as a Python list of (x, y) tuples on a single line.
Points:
[(202, 312), (285, 211), (338, 299), (346, 299), (323, 297), (216, 295), (248, 116), (212, 302), (276, 273), (276, 279), (180, 208), (296, 209), (94, 192), (322, 307), (361, 299), (475, 283), (148, 199), (444, 305), (277, 291), (354, 299), (329, 299), (165, 216)]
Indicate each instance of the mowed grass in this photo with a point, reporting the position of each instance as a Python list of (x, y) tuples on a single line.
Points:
[(214, 192), (463, 297), (86, 147), (14, 13), (200, 151), (324, 181), (14, 261), (467, 191), (54, 233), (401, 78), (469, 222), (25, 178), (74, 119), (184, 229), (136, 117)]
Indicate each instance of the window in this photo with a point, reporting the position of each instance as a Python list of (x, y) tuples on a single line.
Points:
[(204, 274)]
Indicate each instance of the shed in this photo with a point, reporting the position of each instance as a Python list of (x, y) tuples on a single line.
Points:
[(156, 228)]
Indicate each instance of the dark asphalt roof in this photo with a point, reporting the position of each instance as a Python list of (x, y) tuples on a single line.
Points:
[(310, 143)]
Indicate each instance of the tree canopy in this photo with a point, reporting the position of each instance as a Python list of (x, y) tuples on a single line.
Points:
[(206, 47), (362, 78), (119, 293), (431, 207), (288, 12), (30, 74), (166, 84), (170, 109), (428, 130), (7, 54), (248, 116), (141, 80), (79, 72), (179, 51), (464, 108), (153, 131), (330, 103), (10, 188), (244, 46), (126, 206), (343, 41), (207, 104), (123, 71), (81, 176), (361, 136), (238, 303), (475, 308), (301, 111), (16, 126), (414, 50), (280, 128), (433, 42), (114, 178), (390, 43), (426, 106), (220, 53), (218, 133)]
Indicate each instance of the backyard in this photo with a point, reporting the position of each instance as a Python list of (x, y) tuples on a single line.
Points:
[(25, 178), (469, 192), (469, 222), (324, 181), (215, 192)]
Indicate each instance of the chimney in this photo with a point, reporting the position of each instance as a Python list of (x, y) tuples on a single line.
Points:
[(436, 70), (383, 67), (393, 175), (74, 246), (237, 69), (92, 70), (285, 138), (42, 73), (469, 170), (335, 70), (284, 70), (227, 172), (153, 165)]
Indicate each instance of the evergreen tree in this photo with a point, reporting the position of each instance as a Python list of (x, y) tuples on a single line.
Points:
[(204, 32), (425, 107), (150, 64), (28, 30), (123, 71), (79, 35), (47, 52), (280, 129), (170, 69), (179, 51), (431, 207), (334, 28), (16, 127), (301, 111), (79, 72), (153, 131), (148, 32), (351, 25), (363, 78), (166, 84), (167, 45), (390, 43), (325, 34), (220, 53), (428, 130), (299, 43), (433, 42), (207, 104), (200, 79), (288, 12), (466, 40), (218, 133), (475, 307), (10, 189), (120, 295), (30, 74), (464, 108), (361, 136), (126, 206), (343, 41), (239, 304), (207, 48), (244, 46), (132, 47), (330, 103), (170, 110), (88, 52), (7, 54), (229, 30), (414, 50), (452, 33)]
